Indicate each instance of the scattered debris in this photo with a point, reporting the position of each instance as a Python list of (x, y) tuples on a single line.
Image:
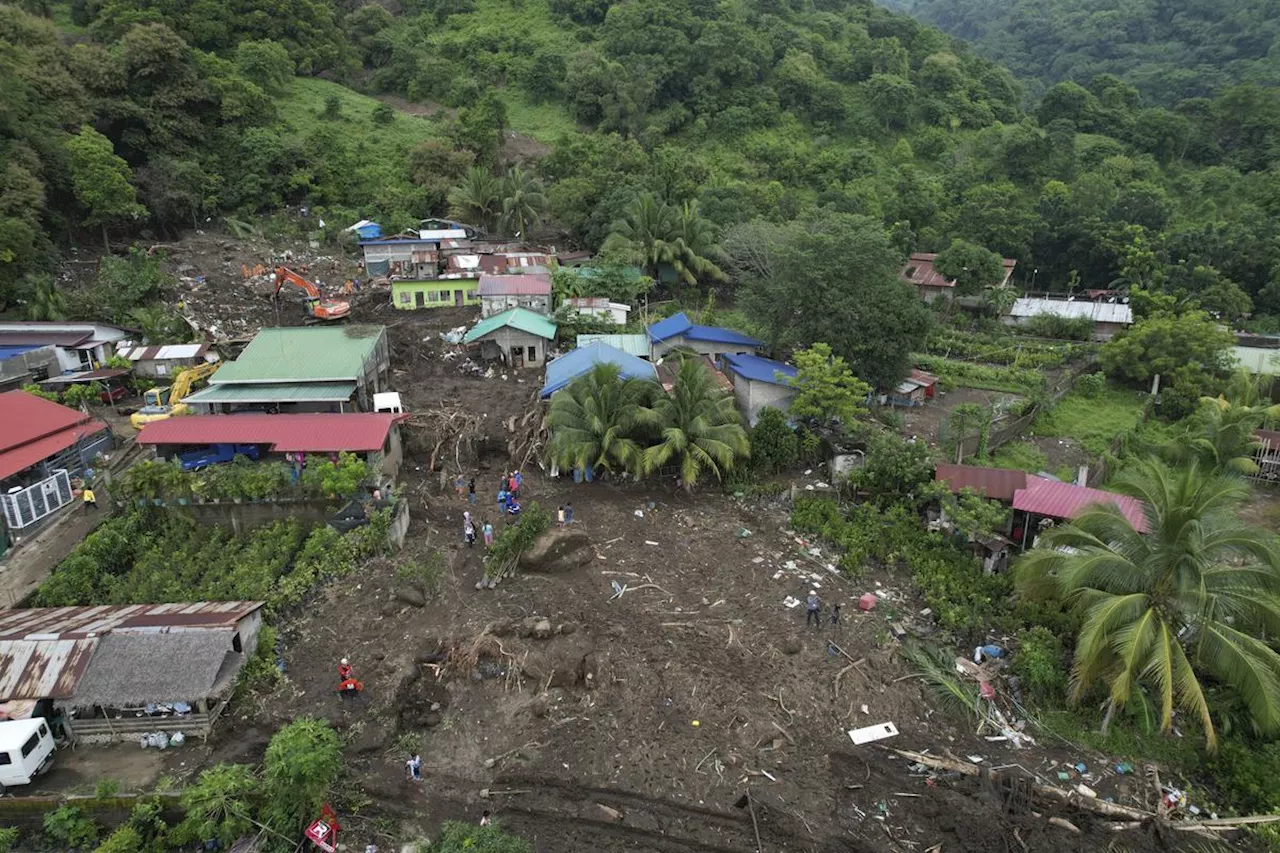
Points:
[(868, 734)]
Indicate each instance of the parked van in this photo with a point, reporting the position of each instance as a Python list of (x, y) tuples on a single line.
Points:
[(26, 751)]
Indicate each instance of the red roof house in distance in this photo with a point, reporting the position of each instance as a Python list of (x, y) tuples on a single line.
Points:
[(1034, 498), (930, 284)]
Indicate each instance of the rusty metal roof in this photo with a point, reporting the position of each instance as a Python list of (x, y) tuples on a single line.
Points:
[(60, 623), (998, 484), (44, 651), (36, 669)]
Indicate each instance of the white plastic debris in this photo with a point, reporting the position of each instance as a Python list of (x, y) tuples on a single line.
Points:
[(639, 513), (868, 734), (790, 602)]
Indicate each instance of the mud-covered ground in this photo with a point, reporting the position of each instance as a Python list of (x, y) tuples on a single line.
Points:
[(640, 722)]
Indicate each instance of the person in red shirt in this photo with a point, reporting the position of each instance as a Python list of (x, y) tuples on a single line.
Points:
[(345, 670)]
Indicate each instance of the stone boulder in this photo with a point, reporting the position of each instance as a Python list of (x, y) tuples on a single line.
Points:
[(560, 549)]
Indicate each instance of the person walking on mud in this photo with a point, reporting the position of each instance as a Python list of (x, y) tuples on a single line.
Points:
[(488, 533), (813, 610), (471, 492), (460, 486), (469, 533), (413, 768)]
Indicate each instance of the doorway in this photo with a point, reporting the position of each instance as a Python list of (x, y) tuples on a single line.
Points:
[(419, 299), (457, 298)]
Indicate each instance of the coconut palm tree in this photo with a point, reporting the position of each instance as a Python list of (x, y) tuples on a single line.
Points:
[(46, 301), (1184, 609), (478, 199), (644, 235), (697, 246), (523, 203), (1220, 437), (592, 421), (699, 427)]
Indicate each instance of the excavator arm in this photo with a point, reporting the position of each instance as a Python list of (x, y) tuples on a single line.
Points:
[(319, 307), (182, 384)]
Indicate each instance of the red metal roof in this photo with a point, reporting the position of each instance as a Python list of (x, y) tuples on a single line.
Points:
[(922, 378), (998, 484), (515, 285), (1064, 500), (919, 271), (33, 429), (315, 433), (25, 337), (44, 651)]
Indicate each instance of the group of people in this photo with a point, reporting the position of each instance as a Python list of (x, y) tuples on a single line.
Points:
[(469, 530), (813, 611)]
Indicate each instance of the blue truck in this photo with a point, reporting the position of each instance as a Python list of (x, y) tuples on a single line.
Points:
[(216, 454)]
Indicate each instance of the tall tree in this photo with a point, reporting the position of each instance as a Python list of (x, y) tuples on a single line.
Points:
[(100, 180), (699, 425), (477, 200), (593, 421), (972, 267), (826, 389), (1190, 602), (832, 278), (523, 203)]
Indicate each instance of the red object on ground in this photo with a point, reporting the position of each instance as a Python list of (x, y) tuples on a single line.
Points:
[(986, 690), (323, 833), (867, 601)]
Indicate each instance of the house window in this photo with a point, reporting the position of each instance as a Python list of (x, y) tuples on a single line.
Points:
[(86, 359), (445, 296), (236, 645), (404, 297), (532, 354)]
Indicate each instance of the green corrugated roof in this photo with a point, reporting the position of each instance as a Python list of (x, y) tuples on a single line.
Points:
[(311, 354), (517, 318), (637, 345), (1259, 360), (267, 392)]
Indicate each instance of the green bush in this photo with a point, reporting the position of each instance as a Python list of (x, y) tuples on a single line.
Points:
[(69, 826), (515, 539), (1245, 774), (1091, 384), (967, 374), (1038, 662), (1063, 328), (126, 839), (774, 444), (8, 838), (458, 837)]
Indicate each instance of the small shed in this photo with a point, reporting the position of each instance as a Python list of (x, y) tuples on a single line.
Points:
[(920, 273), (1109, 317), (517, 337), (165, 361), (759, 382), (568, 367), (599, 307)]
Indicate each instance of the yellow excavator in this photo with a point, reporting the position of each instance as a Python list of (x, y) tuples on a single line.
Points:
[(167, 401)]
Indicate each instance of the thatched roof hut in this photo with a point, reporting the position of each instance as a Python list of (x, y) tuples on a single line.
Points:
[(132, 669)]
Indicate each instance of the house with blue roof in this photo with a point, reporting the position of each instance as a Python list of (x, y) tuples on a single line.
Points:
[(678, 331), (581, 361), (759, 382)]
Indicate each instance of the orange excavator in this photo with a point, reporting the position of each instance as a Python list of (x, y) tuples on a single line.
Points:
[(319, 308)]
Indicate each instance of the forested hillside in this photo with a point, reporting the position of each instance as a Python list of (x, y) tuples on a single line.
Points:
[(680, 122), (1170, 49)]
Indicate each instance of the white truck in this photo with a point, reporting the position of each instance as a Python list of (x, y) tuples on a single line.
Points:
[(26, 751)]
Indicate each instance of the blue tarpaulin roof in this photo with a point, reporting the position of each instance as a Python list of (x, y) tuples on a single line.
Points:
[(759, 369), (16, 349), (578, 362), (679, 325)]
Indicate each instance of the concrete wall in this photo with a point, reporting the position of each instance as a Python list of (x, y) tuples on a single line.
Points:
[(20, 369), (715, 350), (441, 293), (497, 345), (751, 397)]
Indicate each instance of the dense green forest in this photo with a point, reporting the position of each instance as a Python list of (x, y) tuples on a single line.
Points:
[(707, 126), (1170, 50)]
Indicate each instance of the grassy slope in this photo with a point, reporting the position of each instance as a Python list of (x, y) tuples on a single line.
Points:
[(1092, 421), (302, 106)]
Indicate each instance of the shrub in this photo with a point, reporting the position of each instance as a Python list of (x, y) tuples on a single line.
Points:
[(219, 805), (774, 444), (1038, 663), (383, 114), (515, 539), (1064, 328), (69, 826), (301, 764), (459, 837), (126, 839), (1246, 773), (8, 838), (1091, 384)]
